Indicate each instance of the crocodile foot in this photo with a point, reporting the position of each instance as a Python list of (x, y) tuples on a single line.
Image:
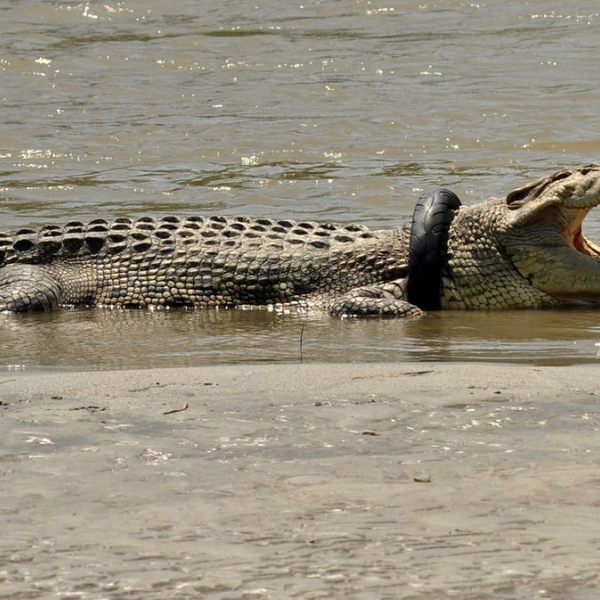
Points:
[(384, 300)]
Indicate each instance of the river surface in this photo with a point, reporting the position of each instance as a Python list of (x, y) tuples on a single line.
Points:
[(326, 110)]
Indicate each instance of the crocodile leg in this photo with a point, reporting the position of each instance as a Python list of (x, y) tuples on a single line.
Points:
[(26, 287), (384, 300)]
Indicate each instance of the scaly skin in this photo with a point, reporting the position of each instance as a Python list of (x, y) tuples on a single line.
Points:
[(205, 262), (525, 251), (528, 250)]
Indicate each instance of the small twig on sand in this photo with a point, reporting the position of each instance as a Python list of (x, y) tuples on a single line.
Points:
[(176, 410)]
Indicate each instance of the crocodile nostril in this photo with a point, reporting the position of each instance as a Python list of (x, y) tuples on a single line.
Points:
[(588, 168)]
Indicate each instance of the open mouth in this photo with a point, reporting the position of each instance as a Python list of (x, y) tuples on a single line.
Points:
[(572, 220), (559, 259)]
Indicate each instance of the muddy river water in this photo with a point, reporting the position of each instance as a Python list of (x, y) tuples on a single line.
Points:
[(326, 110)]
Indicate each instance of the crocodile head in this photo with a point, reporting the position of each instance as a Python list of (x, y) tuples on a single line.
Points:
[(543, 237)]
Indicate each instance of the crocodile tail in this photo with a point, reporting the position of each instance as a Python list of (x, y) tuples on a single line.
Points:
[(428, 244)]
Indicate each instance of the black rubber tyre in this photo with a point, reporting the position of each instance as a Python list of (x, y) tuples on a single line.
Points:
[(428, 244)]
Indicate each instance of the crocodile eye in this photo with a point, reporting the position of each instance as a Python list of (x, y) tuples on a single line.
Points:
[(516, 198)]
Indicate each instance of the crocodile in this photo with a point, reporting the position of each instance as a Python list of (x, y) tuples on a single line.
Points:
[(526, 250)]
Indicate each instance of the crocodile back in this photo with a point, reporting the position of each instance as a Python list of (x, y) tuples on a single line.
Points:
[(100, 237)]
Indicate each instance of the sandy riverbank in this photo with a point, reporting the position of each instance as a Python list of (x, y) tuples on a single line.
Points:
[(301, 481)]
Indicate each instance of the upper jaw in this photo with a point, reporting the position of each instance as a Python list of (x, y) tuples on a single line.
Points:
[(581, 189), (567, 189)]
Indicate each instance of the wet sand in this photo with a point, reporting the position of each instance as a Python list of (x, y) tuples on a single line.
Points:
[(301, 481)]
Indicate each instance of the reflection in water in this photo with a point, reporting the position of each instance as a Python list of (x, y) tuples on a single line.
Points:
[(538, 337), (107, 339)]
